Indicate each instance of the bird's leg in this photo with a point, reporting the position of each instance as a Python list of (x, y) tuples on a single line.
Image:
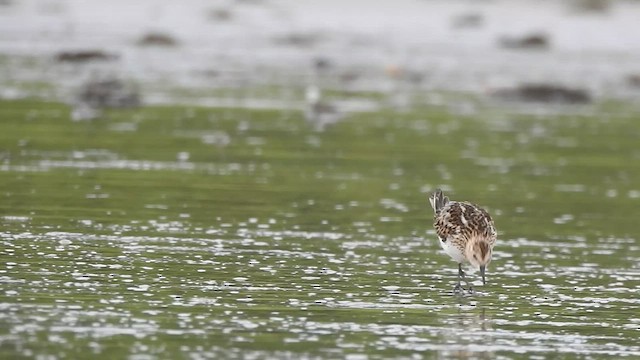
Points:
[(458, 287), (469, 286)]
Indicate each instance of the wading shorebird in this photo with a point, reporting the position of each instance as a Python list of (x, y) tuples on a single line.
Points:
[(466, 233)]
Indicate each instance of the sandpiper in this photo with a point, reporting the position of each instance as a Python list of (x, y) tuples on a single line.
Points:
[(466, 233)]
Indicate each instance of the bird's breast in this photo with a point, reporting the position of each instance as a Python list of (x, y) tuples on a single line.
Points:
[(453, 249)]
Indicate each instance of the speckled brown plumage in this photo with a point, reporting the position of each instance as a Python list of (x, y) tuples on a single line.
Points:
[(459, 221), (466, 232)]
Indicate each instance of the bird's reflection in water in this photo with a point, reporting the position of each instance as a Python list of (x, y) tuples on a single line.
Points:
[(468, 334)]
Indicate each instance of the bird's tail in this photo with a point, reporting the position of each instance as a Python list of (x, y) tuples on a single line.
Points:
[(438, 200)]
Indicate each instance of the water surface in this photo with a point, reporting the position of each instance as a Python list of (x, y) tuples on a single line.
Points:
[(171, 232)]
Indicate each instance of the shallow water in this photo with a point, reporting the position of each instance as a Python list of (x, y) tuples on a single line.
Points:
[(204, 233)]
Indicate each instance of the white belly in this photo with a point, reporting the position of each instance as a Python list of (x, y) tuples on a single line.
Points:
[(453, 251)]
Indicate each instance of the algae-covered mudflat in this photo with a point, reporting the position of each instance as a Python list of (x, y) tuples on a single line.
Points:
[(194, 232)]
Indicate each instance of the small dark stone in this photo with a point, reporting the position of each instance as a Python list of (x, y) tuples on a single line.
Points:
[(157, 39), (302, 40), (84, 56), (545, 93), (591, 6), (220, 15), (321, 64), (467, 21), (634, 80), (535, 41)]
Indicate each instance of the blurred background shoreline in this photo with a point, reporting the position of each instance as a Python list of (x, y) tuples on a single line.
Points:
[(265, 53)]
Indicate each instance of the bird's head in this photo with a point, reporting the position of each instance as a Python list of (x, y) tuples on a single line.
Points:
[(478, 252)]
